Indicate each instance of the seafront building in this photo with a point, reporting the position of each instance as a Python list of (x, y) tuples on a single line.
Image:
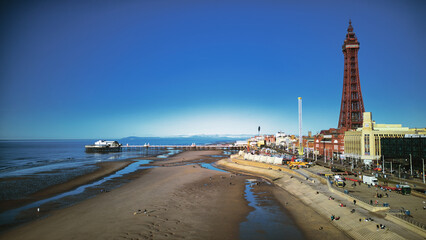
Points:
[(365, 142), (410, 147), (307, 143), (281, 139), (330, 143), (269, 139)]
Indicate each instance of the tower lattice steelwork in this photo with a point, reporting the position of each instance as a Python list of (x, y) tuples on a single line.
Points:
[(352, 105)]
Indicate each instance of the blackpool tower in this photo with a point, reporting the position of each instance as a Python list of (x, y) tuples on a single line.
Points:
[(352, 106)]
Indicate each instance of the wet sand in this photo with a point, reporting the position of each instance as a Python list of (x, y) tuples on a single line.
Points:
[(312, 224), (189, 157), (104, 169), (181, 202)]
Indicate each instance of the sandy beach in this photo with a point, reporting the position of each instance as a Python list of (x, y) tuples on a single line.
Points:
[(355, 220), (104, 169), (189, 156), (180, 202), (311, 223), (177, 199)]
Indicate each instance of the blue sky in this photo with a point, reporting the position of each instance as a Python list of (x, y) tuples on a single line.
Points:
[(111, 69)]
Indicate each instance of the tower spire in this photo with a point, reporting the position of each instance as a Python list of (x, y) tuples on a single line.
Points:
[(350, 28), (352, 106)]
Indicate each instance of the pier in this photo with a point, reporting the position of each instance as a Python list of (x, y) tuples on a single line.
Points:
[(182, 147)]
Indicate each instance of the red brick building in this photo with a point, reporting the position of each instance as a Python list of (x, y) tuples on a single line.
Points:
[(269, 139), (330, 142)]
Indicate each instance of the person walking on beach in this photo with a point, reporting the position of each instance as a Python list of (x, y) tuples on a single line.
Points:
[(354, 202)]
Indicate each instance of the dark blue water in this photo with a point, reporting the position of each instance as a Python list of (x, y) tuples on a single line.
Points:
[(267, 220), (29, 166), (198, 140), (209, 166), (10, 216)]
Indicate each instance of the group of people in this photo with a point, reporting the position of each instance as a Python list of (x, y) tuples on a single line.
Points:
[(381, 226), (367, 219)]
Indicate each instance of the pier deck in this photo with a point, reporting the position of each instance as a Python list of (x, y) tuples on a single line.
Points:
[(184, 147)]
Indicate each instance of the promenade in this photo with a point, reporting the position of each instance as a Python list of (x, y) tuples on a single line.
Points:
[(315, 193)]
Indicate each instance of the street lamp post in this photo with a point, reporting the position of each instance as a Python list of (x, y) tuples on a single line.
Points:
[(423, 161), (383, 163), (399, 172), (325, 155)]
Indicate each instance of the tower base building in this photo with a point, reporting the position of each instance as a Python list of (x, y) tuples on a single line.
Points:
[(365, 142)]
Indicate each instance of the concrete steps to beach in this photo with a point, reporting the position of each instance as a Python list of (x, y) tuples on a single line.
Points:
[(316, 195)]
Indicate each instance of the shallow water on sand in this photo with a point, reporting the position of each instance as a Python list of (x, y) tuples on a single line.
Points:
[(209, 166), (17, 215), (29, 166), (267, 220)]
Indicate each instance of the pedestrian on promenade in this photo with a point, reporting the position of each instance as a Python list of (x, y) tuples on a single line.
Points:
[(354, 202), (371, 202), (377, 227)]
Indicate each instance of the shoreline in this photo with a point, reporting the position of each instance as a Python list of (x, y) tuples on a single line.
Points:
[(298, 211), (104, 169), (181, 202), (355, 221)]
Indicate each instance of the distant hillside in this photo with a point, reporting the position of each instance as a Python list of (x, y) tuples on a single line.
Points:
[(181, 140)]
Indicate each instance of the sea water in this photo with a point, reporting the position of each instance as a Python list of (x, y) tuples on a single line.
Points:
[(30, 166), (267, 220)]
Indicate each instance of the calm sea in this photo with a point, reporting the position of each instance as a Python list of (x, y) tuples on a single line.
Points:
[(30, 166)]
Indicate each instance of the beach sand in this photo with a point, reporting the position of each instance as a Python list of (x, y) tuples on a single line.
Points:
[(104, 169), (309, 221), (312, 224), (181, 202), (189, 157)]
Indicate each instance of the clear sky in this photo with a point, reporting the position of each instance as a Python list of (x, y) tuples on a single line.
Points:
[(111, 69)]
